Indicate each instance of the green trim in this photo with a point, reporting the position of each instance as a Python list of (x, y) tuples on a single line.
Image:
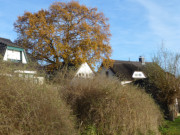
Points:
[(15, 48)]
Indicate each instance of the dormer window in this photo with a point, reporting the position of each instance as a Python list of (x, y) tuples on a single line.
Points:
[(138, 75)]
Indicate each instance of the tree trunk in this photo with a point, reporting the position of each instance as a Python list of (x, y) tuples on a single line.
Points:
[(171, 112)]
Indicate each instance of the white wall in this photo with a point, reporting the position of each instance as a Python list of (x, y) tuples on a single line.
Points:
[(14, 55), (104, 70), (125, 82), (24, 61), (30, 76), (84, 71)]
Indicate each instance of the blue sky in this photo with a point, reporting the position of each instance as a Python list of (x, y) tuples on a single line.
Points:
[(138, 27)]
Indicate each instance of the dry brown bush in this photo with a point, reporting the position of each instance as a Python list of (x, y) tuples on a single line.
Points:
[(100, 104), (111, 108), (62, 77), (27, 109)]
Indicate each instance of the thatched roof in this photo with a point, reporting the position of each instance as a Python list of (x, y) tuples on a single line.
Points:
[(125, 69)]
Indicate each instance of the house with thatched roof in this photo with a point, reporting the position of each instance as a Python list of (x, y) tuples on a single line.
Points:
[(126, 71)]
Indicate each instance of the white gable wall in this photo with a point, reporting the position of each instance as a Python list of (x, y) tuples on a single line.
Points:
[(11, 54), (24, 58), (105, 71), (14, 55), (84, 71)]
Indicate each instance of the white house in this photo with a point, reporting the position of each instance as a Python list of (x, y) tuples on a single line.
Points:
[(84, 71), (16, 54), (12, 52)]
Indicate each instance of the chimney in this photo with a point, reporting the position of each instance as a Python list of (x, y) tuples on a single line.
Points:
[(142, 60)]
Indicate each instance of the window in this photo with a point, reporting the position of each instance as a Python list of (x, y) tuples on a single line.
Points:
[(138, 75)]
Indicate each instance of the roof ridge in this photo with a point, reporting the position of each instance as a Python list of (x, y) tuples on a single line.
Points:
[(5, 39), (125, 61), (8, 42)]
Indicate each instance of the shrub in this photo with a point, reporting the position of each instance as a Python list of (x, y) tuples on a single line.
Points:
[(106, 107), (32, 109)]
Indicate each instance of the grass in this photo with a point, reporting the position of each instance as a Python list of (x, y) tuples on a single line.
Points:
[(171, 127)]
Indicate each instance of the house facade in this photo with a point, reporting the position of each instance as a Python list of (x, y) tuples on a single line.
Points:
[(84, 71), (17, 55), (12, 52)]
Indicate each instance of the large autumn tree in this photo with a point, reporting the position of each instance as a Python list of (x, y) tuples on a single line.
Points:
[(66, 32)]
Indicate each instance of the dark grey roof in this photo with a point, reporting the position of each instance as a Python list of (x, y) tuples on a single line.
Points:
[(4, 43), (4, 39), (125, 69), (7, 42)]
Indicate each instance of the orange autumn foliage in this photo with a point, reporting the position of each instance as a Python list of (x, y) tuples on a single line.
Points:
[(66, 32)]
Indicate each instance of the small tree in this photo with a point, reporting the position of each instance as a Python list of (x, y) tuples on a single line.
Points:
[(162, 81), (163, 86), (167, 60), (66, 32)]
